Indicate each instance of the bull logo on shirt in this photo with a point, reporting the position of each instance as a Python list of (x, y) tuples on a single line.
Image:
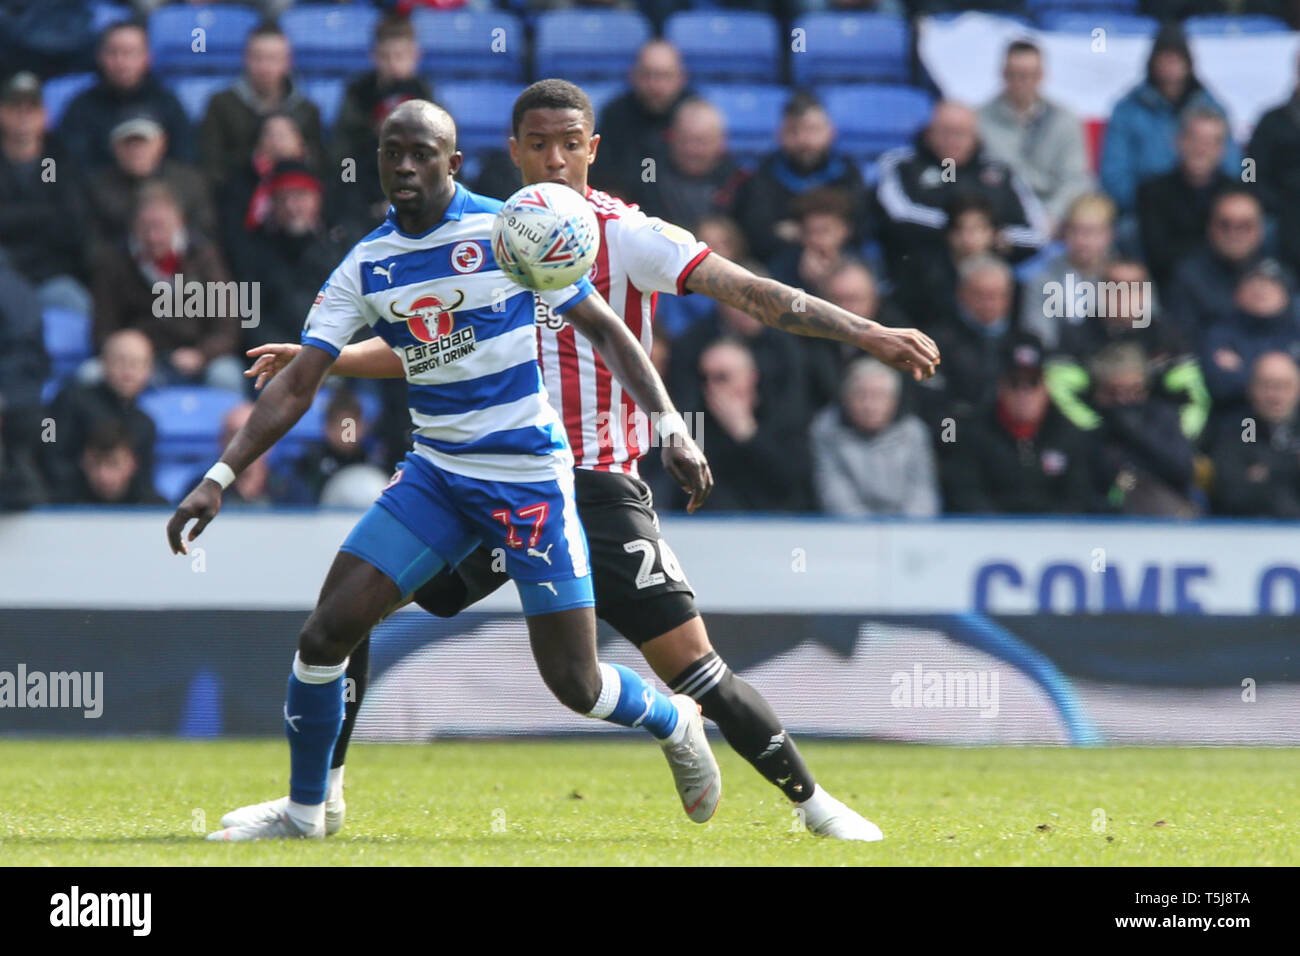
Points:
[(429, 317)]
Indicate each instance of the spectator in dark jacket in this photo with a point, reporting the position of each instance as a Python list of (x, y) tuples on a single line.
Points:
[(40, 209), (805, 160), (633, 126), (1141, 135), (1275, 148), (1205, 283), (927, 289), (866, 458), (160, 250), (140, 156), (825, 225), (697, 176), (368, 100), (23, 367), (1144, 462), (125, 87), (1021, 456), (244, 201), (109, 472), (917, 182), (759, 463), (290, 255), (1264, 320), (1174, 207), (1257, 458), (127, 360), (230, 125)]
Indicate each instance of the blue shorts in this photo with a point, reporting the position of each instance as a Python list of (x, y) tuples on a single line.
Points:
[(428, 518)]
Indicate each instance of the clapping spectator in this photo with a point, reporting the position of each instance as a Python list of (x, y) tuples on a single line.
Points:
[(1144, 462), (1021, 456), (1041, 140), (1174, 207), (866, 458), (918, 182), (125, 87), (127, 364), (1089, 235), (1141, 135), (160, 251), (697, 176), (1264, 320), (230, 125), (1257, 459), (805, 160)]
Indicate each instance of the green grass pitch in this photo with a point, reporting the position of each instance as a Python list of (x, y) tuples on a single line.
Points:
[(144, 802)]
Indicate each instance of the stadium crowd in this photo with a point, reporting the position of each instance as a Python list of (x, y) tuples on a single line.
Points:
[(1117, 337)]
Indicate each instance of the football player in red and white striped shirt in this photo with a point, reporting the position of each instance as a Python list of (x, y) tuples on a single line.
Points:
[(640, 587)]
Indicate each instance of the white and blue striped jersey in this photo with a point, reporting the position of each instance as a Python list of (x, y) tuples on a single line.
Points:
[(466, 336)]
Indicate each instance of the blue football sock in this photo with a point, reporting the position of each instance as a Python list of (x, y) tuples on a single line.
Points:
[(313, 715), (628, 700)]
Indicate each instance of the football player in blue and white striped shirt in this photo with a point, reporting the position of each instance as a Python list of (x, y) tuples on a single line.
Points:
[(491, 465)]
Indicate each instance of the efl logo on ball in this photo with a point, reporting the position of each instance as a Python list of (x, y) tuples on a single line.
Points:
[(545, 237)]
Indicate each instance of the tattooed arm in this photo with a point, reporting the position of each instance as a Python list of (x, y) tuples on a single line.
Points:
[(793, 310)]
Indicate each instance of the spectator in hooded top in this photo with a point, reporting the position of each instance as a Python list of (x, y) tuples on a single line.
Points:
[(1041, 140), (1143, 130), (40, 218), (867, 459), (1124, 309), (1089, 235), (1144, 462), (1021, 455), (1257, 459), (805, 160), (697, 176), (917, 182), (125, 86), (1174, 207), (370, 97), (230, 126), (927, 290), (633, 125), (1264, 320), (1204, 284), (139, 145), (160, 249), (1275, 148)]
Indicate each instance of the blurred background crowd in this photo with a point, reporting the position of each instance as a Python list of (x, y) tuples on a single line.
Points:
[(1117, 314)]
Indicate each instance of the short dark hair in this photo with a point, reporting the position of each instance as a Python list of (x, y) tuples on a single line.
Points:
[(1022, 46), (965, 202), (393, 27), (822, 201), (345, 402), (130, 23), (802, 102), (265, 28), (1233, 192), (552, 94), (108, 434)]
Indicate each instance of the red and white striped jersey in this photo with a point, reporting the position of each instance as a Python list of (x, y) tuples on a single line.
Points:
[(639, 258)]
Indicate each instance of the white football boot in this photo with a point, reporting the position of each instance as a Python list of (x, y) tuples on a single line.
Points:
[(695, 771), (827, 817), (256, 814), (279, 826)]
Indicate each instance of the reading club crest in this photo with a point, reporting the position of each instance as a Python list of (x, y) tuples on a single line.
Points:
[(466, 257)]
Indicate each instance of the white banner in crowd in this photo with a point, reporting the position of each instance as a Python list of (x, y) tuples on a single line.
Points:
[(1247, 74)]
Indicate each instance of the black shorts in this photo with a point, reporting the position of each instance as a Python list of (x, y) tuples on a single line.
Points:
[(640, 588)]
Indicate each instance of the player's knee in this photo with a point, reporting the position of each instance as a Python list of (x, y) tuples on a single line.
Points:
[(319, 643), (577, 688)]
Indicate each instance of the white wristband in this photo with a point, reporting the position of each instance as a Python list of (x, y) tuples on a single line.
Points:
[(222, 474), (671, 423)]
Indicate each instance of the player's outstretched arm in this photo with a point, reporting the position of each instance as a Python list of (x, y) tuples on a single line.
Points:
[(369, 359), (793, 310), (632, 367), (277, 410)]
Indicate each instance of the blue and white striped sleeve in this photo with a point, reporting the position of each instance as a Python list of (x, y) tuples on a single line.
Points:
[(338, 312)]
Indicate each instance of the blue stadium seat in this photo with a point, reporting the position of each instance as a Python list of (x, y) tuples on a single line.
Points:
[(753, 113), (1221, 26), (1116, 24), (188, 418), (195, 91), (727, 45), (481, 109), (172, 37), (852, 48), (62, 90), (174, 479), (602, 93), (67, 338), (311, 427), (465, 44), (872, 118), (102, 14), (588, 44), (327, 93), (329, 38), (1040, 8)]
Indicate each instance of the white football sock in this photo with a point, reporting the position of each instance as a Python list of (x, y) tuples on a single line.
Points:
[(309, 817), (817, 807), (334, 790)]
